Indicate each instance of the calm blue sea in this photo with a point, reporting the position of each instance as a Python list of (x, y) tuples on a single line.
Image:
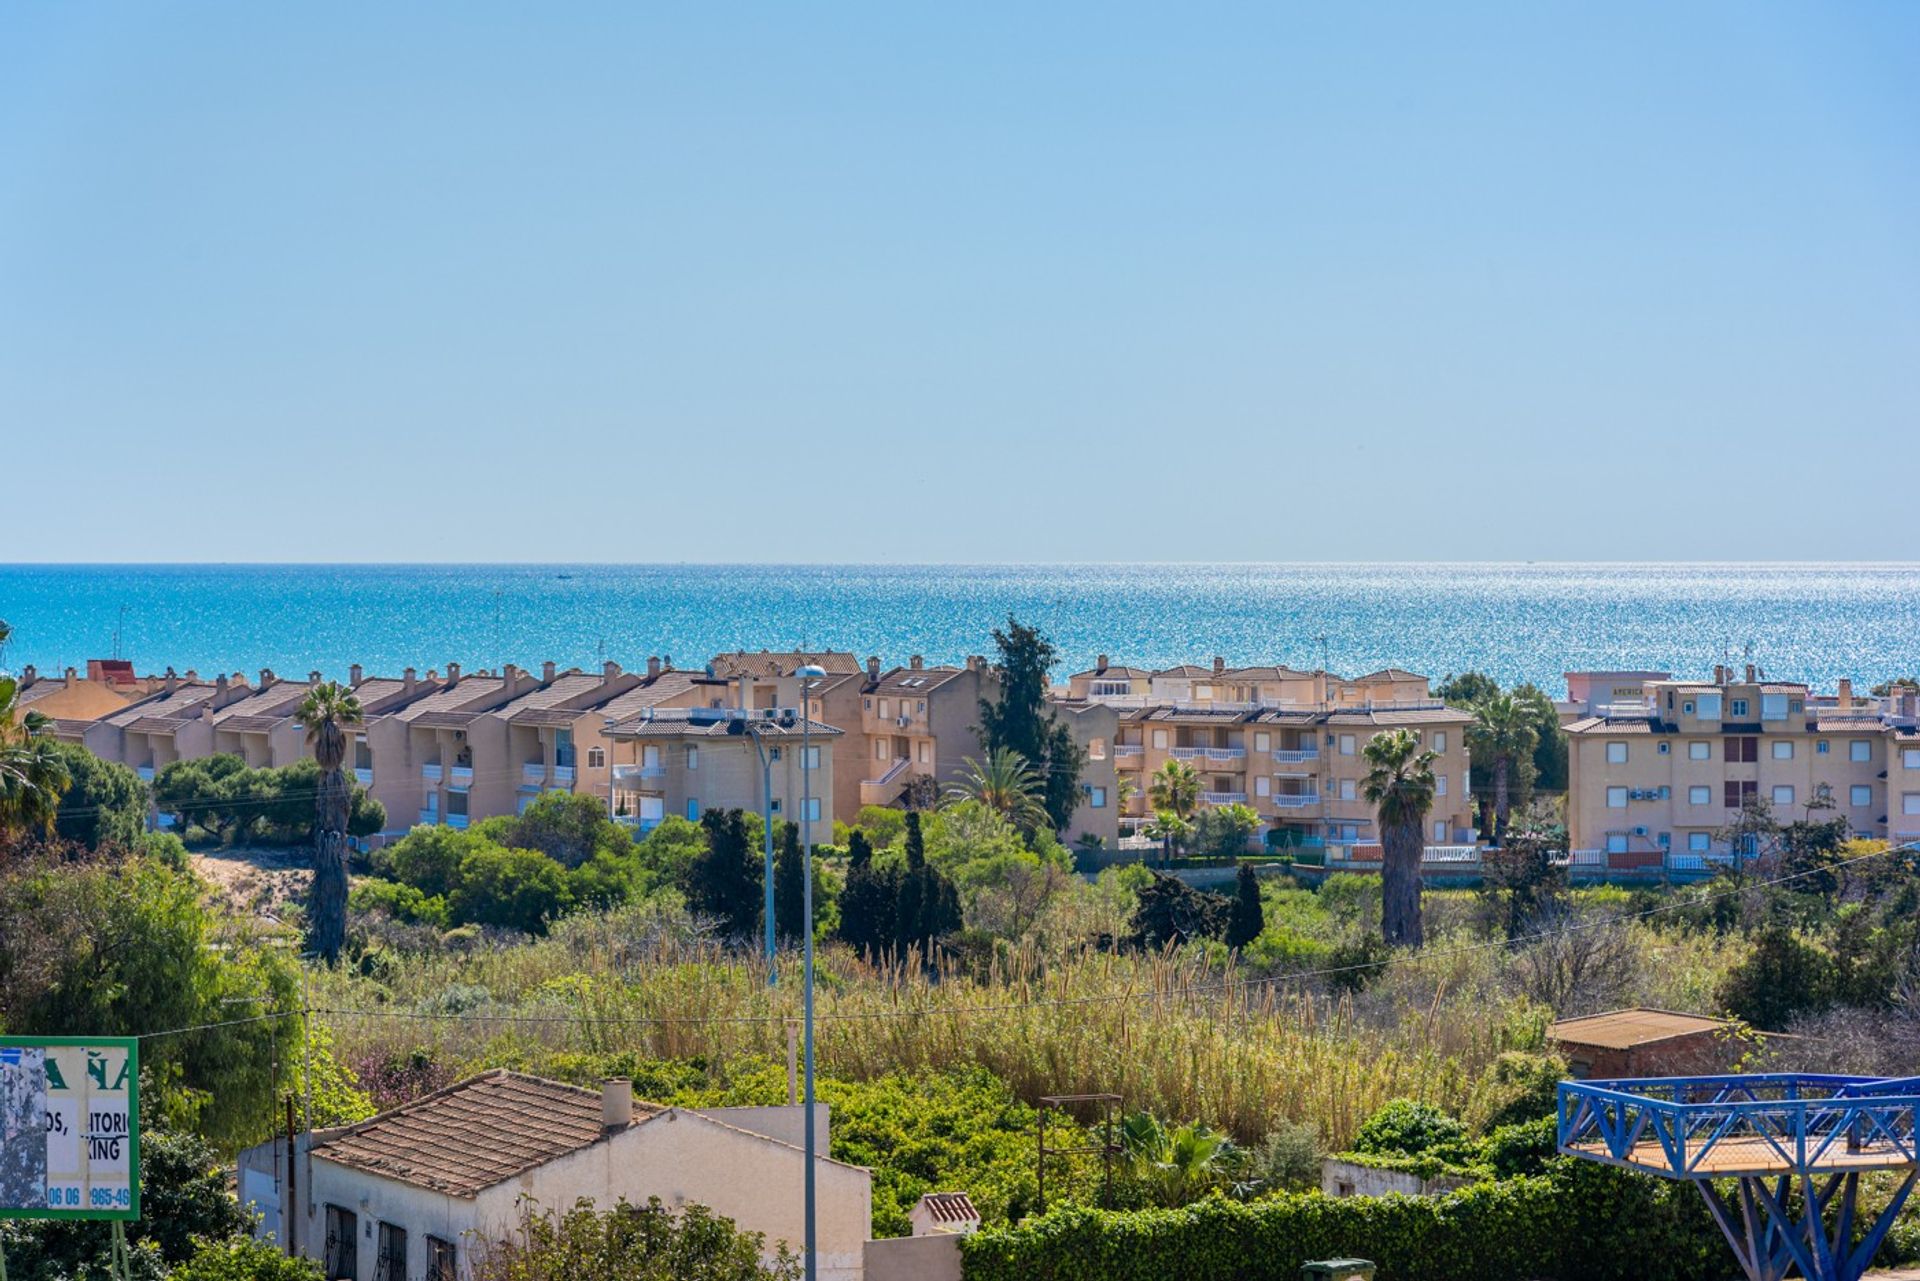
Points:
[(1519, 622)]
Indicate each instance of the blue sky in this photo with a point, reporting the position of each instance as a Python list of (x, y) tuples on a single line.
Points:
[(958, 283)]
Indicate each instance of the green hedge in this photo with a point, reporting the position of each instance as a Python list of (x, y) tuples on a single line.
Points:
[(1580, 1222)]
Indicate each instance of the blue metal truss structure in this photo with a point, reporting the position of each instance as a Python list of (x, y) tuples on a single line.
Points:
[(1775, 1134)]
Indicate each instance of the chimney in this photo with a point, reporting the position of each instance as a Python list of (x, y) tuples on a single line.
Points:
[(616, 1103), (1219, 665), (266, 677), (28, 674), (609, 669), (72, 676), (453, 673), (219, 683), (653, 666), (170, 682), (313, 678), (1100, 663), (976, 663), (1908, 700), (916, 662), (193, 675), (355, 675), (1751, 677), (408, 679), (873, 667), (546, 670), (1846, 693)]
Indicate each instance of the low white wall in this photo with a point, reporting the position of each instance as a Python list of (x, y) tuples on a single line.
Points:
[(934, 1258)]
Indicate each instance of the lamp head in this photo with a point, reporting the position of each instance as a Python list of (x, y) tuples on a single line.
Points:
[(810, 671)]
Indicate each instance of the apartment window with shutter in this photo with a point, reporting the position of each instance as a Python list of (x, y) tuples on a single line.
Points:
[(1262, 742), (596, 758), (1700, 750), (1616, 753), (1822, 748), (1859, 749), (1160, 740), (1699, 842), (1910, 757), (926, 753), (1860, 795), (1440, 740), (693, 757), (1262, 785), (1616, 842), (813, 809), (1910, 802), (1783, 794), (812, 758), (1346, 745), (1773, 707), (879, 749), (1782, 749), (1699, 795), (1439, 784), (1616, 798), (1346, 789), (1709, 705), (1665, 748), (1439, 831), (1097, 798), (693, 810), (1740, 793), (1737, 708), (1742, 750)]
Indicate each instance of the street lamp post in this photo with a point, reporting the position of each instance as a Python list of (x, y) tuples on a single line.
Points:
[(808, 674), (766, 832)]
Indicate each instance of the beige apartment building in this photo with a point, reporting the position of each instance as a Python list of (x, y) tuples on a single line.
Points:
[(532, 743), (79, 699), (175, 724), (1661, 777), (920, 722), (684, 761), (834, 698), (419, 756)]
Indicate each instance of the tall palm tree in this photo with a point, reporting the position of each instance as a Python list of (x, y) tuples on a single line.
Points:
[(1174, 790), (1399, 784), (1005, 784), (1503, 734), (326, 712)]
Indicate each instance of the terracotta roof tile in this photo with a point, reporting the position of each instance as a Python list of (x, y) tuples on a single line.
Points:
[(949, 1207), (1624, 1029), (473, 1135)]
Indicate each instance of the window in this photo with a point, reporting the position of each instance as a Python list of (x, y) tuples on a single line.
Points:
[(1783, 794), (1346, 745), (1616, 798), (1739, 794), (693, 757), (440, 1260), (596, 758), (1699, 842), (926, 753), (1616, 842), (1709, 707), (1439, 784), (886, 709), (1742, 750), (1737, 708), (1773, 707), (1160, 740), (1440, 831), (390, 1263), (1860, 794), (1699, 796), (1346, 789), (879, 749), (1261, 743), (341, 1258), (1616, 753), (1097, 749), (1910, 757), (1686, 707), (1910, 802), (813, 809), (457, 803), (1700, 750), (1440, 740), (693, 810), (1822, 748), (1859, 749), (1666, 840), (812, 758), (1097, 797), (775, 805), (1782, 749), (1262, 785), (1664, 748)]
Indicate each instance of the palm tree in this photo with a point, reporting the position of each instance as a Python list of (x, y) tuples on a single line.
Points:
[(1005, 784), (1173, 791), (325, 712), (33, 774), (1180, 1164), (1503, 734), (1399, 784), (1170, 830)]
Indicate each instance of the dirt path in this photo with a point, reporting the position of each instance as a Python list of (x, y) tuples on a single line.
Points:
[(258, 882)]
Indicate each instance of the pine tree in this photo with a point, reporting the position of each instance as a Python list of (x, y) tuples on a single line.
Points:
[(789, 887), (1248, 918), (1022, 722)]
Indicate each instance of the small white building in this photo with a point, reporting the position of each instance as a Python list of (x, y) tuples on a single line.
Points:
[(944, 1214), (413, 1192)]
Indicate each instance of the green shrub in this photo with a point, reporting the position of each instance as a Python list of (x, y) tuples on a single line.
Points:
[(401, 902), (1406, 1128), (243, 1260), (1784, 976), (518, 889)]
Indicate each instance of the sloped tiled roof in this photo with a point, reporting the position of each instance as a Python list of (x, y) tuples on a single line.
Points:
[(179, 704), (949, 1207), (914, 680), (458, 699), (265, 709), (1624, 1029), (652, 692), (1612, 725), (563, 689), (473, 1135), (1116, 672), (742, 662)]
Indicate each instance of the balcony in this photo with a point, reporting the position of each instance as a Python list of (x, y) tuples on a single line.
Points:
[(363, 775), (430, 773), (430, 817), (1129, 751), (1294, 800), (638, 773), (1295, 755), (563, 775), (145, 772), (456, 820), (1211, 755), (883, 790), (534, 772), (461, 775), (1224, 798)]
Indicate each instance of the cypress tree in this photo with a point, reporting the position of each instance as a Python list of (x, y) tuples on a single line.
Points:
[(789, 887), (725, 881), (1022, 721), (1247, 918)]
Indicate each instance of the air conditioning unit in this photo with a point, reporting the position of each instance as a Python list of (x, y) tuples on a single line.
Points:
[(1639, 831)]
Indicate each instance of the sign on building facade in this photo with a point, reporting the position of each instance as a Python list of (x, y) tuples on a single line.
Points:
[(69, 1127)]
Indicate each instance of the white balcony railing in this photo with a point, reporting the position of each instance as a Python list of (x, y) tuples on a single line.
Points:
[(633, 773), (1227, 754), (1294, 800), (145, 772), (534, 772), (1295, 755), (460, 774), (456, 820), (1224, 798), (430, 817), (1129, 751), (563, 775), (363, 775), (430, 773)]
